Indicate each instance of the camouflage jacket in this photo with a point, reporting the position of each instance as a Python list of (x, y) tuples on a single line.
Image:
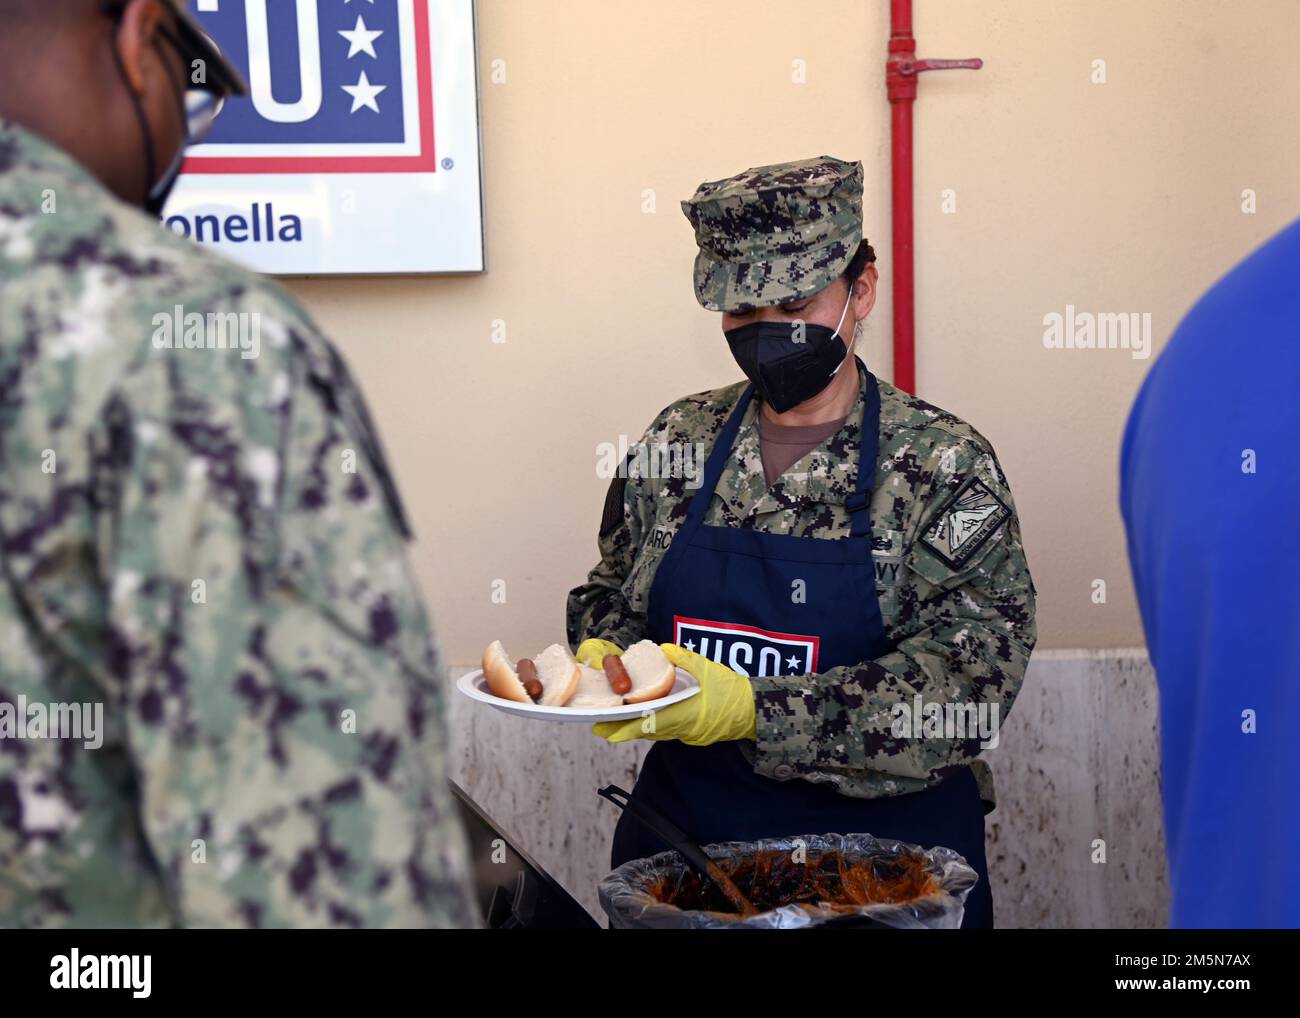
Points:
[(208, 546), (951, 578)]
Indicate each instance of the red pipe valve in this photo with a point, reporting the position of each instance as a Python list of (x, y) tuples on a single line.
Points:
[(902, 68)]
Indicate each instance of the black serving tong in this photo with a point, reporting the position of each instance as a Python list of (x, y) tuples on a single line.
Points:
[(674, 838)]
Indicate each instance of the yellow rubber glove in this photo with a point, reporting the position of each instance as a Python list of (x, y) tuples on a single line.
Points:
[(723, 709), (592, 652)]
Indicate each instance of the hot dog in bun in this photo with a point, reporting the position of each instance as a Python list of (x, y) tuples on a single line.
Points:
[(553, 675), (555, 679), (651, 673)]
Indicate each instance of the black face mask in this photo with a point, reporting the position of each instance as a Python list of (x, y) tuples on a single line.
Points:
[(786, 372)]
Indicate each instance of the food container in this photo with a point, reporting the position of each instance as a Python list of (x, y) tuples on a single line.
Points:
[(825, 880)]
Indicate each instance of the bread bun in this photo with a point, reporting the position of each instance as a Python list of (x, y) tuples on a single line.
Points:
[(559, 674), (502, 679), (593, 690), (651, 673)]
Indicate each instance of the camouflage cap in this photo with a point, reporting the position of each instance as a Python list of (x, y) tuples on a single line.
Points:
[(775, 232)]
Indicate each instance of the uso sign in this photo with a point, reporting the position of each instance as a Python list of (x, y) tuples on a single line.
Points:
[(357, 148)]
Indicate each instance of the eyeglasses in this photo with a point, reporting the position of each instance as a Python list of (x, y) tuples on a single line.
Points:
[(201, 109), (202, 103)]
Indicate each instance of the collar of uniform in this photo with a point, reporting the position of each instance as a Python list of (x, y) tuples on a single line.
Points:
[(24, 149), (826, 475)]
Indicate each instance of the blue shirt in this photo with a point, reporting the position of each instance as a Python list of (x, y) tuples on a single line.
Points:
[(1211, 498)]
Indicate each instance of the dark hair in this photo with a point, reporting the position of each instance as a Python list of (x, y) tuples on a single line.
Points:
[(862, 257)]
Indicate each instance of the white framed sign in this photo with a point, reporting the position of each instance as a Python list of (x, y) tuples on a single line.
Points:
[(357, 150)]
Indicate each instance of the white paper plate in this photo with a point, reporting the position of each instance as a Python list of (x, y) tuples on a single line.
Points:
[(474, 685)]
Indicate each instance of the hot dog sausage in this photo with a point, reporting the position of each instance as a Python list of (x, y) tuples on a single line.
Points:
[(528, 676), (619, 680)]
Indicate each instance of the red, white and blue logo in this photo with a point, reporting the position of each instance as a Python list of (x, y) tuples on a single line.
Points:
[(335, 86), (751, 651)]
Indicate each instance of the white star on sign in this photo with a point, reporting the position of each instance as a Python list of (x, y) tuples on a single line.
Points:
[(793, 662), (363, 93), (361, 39), (690, 645)]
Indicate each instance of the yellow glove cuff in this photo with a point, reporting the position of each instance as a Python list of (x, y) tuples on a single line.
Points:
[(725, 709), (592, 652)]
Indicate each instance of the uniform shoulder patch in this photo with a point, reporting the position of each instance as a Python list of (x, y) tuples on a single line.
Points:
[(964, 523)]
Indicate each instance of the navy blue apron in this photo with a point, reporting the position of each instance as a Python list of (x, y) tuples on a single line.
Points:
[(726, 592)]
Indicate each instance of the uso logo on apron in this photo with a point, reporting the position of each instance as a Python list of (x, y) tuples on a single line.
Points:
[(747, 649)]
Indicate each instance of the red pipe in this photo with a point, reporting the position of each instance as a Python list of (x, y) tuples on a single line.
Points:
[(901, 70)]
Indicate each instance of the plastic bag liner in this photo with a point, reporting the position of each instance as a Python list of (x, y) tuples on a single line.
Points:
[(793, 883)]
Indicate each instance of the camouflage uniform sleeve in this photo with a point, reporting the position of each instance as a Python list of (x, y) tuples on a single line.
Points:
[(600, 608), (968, 630), (283, 695)]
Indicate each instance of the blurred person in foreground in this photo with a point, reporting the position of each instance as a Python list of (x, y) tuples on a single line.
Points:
[(1210, 489), (219, 690)]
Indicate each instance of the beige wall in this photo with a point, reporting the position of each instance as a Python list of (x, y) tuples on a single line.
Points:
[(1117, 197)]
